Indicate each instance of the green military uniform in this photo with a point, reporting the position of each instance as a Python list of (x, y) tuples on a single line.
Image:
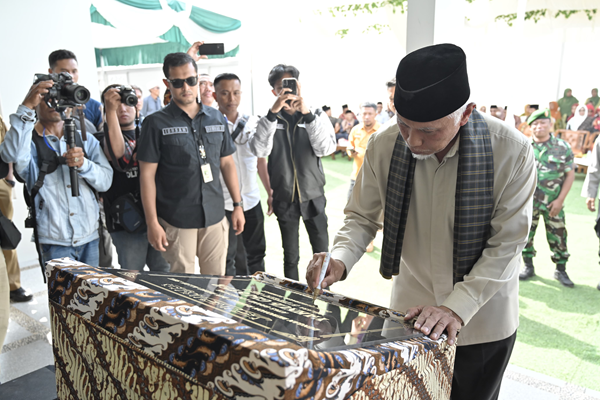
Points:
[(554, 158)]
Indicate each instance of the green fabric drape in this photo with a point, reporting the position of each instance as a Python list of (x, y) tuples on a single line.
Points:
[(143, 4), (213, 22), (98, 18), (174, 35), (176, 5), (145, 54)]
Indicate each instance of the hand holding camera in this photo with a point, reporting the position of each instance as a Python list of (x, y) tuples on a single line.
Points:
[(37, 93)]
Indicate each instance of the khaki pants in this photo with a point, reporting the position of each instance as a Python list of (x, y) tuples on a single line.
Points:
[(12, 263), (209, 244), (4, 301)]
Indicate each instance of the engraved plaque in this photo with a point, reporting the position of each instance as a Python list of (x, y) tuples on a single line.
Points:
[(283, 309)]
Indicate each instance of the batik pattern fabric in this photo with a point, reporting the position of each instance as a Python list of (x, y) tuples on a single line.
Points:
[(115, 338)]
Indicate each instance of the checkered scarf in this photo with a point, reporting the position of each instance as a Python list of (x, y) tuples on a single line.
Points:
[(474, 201)]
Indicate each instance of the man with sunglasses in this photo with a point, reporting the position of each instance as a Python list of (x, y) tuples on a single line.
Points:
[(182, 151)]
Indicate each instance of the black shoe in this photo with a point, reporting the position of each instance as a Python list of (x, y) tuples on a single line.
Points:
[(563, 278), (20, 295), (527, 271), (598, 287)]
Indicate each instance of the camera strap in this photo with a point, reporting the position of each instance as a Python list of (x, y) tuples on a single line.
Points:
[(113, 158), (82, 123), (238, 129)]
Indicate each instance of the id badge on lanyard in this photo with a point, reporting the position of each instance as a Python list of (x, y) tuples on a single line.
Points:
[(206, 171)]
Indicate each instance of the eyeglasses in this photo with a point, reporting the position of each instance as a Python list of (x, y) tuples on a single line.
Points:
[(178, 83)]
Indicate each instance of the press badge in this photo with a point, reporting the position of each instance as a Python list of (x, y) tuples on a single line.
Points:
[(206, 173)]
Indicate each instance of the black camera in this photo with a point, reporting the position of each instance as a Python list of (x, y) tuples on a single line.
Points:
[(64, 93), (128, 96)]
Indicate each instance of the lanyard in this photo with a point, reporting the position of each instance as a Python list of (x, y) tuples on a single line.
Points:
[(201, 148)]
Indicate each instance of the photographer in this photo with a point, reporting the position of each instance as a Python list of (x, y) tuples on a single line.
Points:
[(129, 236), (66, 61), (67, 226), (295, 138)]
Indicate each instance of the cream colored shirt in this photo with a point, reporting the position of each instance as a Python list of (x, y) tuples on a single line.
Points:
[(487, 300)]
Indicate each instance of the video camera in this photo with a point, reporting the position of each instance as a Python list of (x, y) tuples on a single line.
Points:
[(64, 93)]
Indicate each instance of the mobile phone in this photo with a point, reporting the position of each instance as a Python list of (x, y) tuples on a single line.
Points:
[(210, 49), (291, 83)]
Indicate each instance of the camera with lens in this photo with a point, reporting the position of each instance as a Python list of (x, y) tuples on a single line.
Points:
[(65, 92), (128, 96)]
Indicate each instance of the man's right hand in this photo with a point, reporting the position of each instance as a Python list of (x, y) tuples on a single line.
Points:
[(280, 103), (36, 94), (112, 100), (591, 204), (157, 236), (335, 271)]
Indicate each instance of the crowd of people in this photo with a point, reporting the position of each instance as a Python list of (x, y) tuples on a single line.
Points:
[(183, 184)]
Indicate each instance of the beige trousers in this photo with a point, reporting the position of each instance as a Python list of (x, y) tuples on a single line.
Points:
[(209, 244), (10, 256), (4, 301)]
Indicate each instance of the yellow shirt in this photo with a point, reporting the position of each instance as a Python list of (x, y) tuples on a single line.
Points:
[(358, 139)]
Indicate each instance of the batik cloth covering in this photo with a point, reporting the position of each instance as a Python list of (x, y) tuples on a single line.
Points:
[(114, 338), (474, 201)]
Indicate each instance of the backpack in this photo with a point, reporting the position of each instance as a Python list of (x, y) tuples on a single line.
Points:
[(48, 162)]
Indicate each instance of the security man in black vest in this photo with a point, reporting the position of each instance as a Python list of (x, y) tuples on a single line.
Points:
[(182, 150), (295, 138), (124, 213)]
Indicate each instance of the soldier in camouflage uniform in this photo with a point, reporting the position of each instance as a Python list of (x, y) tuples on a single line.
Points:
[(556, 174)]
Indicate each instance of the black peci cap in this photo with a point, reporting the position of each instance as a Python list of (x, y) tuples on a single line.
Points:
[(432, 83)]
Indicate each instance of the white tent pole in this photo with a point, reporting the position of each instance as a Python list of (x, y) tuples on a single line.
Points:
[(560, 66)]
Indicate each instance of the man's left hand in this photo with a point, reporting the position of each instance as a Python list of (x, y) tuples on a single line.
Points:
[(433, 321), (74, 157), (299, 103), (194, 50), (238, 220), (555, 207)]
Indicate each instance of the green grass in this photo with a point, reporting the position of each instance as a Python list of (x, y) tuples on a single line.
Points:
[(559, 333)]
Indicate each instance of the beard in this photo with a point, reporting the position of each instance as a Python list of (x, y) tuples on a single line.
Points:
[(422, 156)]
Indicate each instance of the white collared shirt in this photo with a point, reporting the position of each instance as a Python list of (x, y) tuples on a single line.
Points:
[(245, 163)]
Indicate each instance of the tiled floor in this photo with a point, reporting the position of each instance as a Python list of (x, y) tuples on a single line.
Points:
[(27, 348)]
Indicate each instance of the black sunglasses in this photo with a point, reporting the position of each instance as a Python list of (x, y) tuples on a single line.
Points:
[(178, 83)]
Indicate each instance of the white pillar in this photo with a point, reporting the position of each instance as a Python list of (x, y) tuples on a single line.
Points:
[(420, 24), (433, 22)]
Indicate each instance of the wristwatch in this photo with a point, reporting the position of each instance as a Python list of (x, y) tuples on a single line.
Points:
[(239, 204)]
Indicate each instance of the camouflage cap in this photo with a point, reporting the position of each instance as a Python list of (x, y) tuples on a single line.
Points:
[(539, 114)]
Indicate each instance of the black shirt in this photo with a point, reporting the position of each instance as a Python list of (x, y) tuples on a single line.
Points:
[(123, 182), (172, 139)]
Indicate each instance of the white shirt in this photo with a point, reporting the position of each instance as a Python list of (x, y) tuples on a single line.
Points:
[(487, 300), (382, 117), (246, 165)]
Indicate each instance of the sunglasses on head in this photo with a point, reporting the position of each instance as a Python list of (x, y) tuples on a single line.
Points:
[(178, 83)]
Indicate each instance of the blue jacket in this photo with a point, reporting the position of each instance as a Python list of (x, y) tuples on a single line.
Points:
[(61, 219)]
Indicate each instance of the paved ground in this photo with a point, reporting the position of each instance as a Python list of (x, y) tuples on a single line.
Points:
[(27, 348)]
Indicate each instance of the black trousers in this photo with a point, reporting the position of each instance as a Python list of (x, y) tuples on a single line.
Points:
[(254, 243), (479, 368), (317, 233)]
